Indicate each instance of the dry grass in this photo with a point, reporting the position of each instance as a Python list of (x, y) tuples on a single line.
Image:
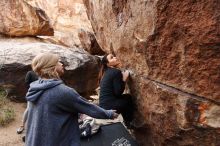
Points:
[(7, 113)]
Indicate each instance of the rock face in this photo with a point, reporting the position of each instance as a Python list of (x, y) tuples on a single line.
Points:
[(17, 18), (172, 47), (68, 17), (174, 118), (89, 43), (81, 69)]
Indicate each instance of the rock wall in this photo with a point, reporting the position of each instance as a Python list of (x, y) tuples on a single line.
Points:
[(17, 18), (89, 43), (67, 17), (173, 49)]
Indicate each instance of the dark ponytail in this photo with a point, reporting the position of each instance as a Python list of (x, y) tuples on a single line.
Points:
[(104, 66)]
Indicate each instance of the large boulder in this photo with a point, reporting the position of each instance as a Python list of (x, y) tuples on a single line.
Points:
[(171, 117), (89, 43), (175, 43), (21, 19), (67, 17), (81, 69), (171, 43), (24, 39)]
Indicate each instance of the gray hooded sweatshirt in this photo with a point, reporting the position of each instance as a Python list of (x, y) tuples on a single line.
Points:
[(53, 114)]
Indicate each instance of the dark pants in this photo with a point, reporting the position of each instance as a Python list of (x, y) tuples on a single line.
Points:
[(123, 105)]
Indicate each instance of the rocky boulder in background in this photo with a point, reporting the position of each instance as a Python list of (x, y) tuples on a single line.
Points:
[(81, 69), (17, 18), (89, 43), (172, 47), (67, 17)]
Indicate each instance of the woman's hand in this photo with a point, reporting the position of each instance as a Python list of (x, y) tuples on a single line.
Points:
[(125, 75), (115, 115)]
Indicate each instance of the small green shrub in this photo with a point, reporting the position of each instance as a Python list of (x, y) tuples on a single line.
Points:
[(6, 116), (2, 97), (7, 113)]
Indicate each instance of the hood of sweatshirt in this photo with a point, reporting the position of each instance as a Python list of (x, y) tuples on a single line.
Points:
[(39, 86)]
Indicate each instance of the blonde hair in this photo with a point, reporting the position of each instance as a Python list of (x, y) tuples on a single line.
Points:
[(44, 65)]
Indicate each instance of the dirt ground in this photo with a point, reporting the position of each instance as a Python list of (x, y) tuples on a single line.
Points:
[(8, 135)]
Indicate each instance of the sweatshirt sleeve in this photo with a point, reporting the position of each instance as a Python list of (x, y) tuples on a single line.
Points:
[(73, 102), (118, 84)]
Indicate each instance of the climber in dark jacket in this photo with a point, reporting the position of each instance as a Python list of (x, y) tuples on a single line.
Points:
[(29, 78), (112, 85), (54, 107)]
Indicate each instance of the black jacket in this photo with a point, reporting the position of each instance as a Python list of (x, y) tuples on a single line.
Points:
[(30, 77), (111, 87)]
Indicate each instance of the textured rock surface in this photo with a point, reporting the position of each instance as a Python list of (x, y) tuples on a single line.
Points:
[(176, 43), (173, 44), (89, 43), (174, 118), (27, 39), (17, 18), (81, 68), (67, 18)]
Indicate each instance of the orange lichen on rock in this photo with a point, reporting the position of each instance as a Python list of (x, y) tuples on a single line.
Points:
[(202, 108)]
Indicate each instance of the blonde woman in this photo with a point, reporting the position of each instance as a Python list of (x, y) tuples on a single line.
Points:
[(54, 107)]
